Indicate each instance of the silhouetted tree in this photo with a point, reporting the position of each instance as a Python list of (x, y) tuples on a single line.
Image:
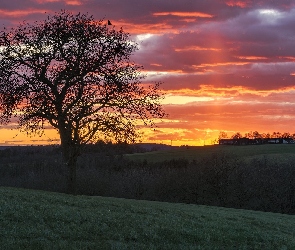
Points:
[(249, 135), (75, 74), (286, 135), (256, 135), (276, 135), (222, 135), (237, 135), (266, 135)]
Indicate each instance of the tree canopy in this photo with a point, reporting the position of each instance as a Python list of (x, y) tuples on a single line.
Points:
[(74, 73)]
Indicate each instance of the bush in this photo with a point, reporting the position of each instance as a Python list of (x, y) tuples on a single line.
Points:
[(260, 183)]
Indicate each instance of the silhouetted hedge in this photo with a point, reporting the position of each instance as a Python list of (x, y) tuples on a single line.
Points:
[(260, 183)]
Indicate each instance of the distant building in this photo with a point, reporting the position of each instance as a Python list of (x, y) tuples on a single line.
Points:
[(257, 141)]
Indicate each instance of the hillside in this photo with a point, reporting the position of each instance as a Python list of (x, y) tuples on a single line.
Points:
[(192, 153), (44, 220)]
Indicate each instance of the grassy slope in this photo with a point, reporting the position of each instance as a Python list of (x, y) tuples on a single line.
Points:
[(43, 220), (195, 152)]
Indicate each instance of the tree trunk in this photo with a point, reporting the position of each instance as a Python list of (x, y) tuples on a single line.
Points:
[(70, 152), (72, 172)]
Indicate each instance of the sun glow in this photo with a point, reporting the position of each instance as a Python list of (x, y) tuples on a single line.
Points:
[(13, 137), (181, 136)]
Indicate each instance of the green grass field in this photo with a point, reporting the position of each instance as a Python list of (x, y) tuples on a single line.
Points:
[(191, 153), (42, 220)]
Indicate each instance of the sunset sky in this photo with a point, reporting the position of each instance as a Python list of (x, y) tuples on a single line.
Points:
[(225, 65)]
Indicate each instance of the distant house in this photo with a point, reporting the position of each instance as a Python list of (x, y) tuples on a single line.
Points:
[(235, 141), (257, 141), (274, 140), (288, 140), (279, 140), (226, 141)]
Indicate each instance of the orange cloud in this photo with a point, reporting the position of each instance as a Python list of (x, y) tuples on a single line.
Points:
[(228, 92), (68, 2), (47, 1), (197, 48), (144, 28), (183, 14), (204, 65), (73, 2), (18, 13), (189, 20), (289, 58), (252, 57), (241, 4)]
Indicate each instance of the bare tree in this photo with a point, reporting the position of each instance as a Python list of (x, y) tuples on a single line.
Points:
[(74, 73)]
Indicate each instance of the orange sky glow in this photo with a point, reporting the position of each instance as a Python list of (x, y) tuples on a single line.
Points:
[(224, 65)]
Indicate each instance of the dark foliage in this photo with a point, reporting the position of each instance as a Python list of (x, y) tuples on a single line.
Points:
[(223, 180)]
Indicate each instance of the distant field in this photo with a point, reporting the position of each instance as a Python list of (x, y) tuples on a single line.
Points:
[(191, 153), (43, 220)]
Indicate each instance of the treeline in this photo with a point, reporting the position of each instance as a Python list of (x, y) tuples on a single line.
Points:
[(219, 179), (256, 135)]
